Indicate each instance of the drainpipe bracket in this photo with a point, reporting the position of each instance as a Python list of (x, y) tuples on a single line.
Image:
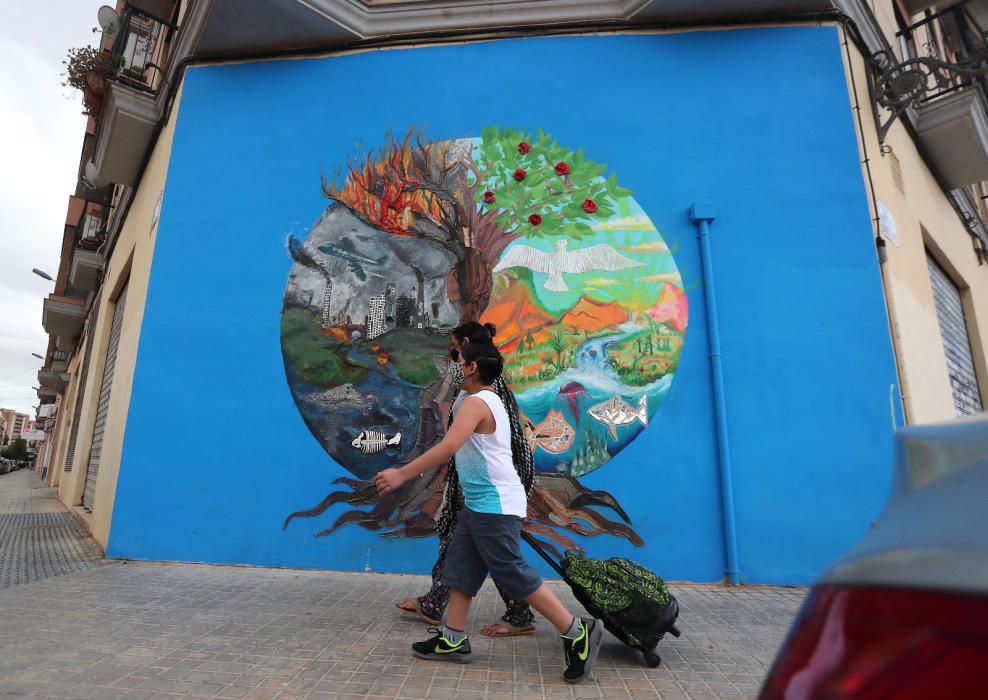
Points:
[(702, 212)]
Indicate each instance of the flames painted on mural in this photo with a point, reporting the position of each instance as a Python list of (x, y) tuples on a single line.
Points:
[(509, 228)]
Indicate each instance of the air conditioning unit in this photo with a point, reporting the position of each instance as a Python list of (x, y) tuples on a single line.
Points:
[(90, 228)]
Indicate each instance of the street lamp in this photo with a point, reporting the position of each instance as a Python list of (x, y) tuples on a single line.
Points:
[(42, 274), (37, 355)]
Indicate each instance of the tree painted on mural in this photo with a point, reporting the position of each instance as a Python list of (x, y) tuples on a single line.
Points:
[(577, 325), (474, 199), (537, 188)]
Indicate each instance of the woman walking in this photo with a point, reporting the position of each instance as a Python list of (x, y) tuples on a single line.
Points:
[(518, 617), (486, 539)]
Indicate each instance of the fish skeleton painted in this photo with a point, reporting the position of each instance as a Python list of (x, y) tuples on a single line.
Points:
[(554, 434), (616, 411), (370, 442)]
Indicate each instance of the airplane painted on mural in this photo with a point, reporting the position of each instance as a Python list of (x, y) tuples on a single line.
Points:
[(353, 258)]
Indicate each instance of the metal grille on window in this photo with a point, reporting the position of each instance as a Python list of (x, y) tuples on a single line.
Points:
[(80, 398), (956, 343), (104, 402)]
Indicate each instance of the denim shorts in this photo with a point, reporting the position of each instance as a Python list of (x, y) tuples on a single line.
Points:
[(487, 543)]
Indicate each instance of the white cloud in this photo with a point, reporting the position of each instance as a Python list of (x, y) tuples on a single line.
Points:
[(41, 131), (626, 223)]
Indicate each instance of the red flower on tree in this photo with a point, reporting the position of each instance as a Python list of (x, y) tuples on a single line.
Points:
[(519, 175), (524, 147), (562, 168), (589, 206), (489, 197), (535, 219)]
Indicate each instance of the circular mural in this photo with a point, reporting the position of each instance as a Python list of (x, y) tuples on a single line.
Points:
[(510, 228)]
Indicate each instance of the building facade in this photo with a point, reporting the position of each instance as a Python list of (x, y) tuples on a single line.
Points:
[(625, 192), (14, 424)]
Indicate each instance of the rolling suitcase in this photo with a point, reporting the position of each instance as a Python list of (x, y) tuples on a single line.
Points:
[(633, 603)]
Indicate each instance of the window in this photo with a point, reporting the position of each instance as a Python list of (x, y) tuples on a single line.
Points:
[(956, 342)]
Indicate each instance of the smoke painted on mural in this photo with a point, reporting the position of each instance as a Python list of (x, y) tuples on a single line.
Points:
[(509, 228)]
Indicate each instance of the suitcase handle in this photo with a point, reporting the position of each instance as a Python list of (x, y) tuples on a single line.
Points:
[(534, 543)]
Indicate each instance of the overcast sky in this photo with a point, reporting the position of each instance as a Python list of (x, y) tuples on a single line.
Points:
[(41, 129)]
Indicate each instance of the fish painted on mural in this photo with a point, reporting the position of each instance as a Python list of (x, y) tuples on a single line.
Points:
[(370, 442), (616, 411), (554, 434), (353, 258), (596, 257)]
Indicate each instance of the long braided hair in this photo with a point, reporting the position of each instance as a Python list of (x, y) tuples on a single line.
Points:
[(521, 453)]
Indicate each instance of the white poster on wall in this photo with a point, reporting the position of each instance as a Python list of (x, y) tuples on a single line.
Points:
[(886, 224)]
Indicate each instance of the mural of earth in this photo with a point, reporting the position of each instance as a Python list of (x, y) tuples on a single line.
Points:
[(509, 228)]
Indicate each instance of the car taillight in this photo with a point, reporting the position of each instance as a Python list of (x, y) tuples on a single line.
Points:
[(866, 643)]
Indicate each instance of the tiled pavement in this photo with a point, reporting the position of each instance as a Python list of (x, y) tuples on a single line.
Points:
[(38, 537), (158, 630)]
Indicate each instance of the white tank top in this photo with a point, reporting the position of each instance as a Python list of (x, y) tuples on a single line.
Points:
[(487, 473)]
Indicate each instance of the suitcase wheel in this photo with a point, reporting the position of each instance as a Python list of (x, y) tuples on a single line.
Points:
[(674, 631), (651, 659)]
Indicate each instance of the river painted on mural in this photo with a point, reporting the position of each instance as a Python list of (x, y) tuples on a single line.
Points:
[(574, 392)]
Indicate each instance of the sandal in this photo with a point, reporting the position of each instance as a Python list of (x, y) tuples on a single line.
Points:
[(412, 607), (505, 629)]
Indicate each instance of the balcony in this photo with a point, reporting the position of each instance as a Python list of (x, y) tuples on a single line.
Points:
[(63, 317), (91, 226), (59, 361), (62, 382), (85, 269), (953, 130), (940, 85), (90, 234), (978, 9), (47, 395), (130, 111), (47, 378)]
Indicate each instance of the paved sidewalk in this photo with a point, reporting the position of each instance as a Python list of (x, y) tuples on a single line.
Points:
[(163, 630), (38, 537)]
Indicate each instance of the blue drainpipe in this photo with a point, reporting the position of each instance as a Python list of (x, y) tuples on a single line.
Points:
[(702, 216)]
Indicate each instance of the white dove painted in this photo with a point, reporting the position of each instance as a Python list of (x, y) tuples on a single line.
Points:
[(560, 261)]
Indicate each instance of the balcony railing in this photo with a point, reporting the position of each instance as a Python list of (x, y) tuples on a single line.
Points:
[(132, 105), (951, 37), (141, 48), (939, 83), (59, 360)]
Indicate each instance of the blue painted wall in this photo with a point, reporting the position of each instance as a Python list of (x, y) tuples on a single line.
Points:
[(756, 122)]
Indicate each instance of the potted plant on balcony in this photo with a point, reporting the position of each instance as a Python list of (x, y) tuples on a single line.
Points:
[(87, 70)]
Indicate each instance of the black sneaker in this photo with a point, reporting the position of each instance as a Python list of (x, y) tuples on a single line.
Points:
[(441, 649), (582, 651)]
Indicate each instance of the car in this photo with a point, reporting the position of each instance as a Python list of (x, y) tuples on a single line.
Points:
[(904, 613)]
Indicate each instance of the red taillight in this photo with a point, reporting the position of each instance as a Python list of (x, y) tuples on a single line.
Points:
[(864, 643)]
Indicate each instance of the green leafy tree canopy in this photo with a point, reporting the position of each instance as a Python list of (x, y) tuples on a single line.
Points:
[(538, 188), (17, 450)]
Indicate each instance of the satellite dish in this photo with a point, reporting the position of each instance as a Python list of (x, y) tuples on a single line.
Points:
[(108, 19), (91, 177)]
